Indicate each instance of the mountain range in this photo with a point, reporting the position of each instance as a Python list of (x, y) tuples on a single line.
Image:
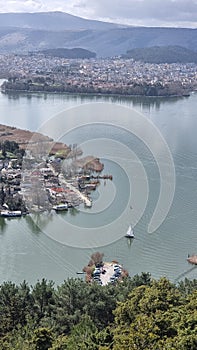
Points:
[(24, 32)]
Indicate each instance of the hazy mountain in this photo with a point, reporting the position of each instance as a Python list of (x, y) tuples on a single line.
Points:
[(52, 21), (38, 31), (163, 54)]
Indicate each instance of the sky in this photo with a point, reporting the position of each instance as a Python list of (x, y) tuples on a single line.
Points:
[(173, 13)]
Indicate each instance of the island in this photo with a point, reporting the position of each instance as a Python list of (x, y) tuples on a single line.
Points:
[(39, 174)]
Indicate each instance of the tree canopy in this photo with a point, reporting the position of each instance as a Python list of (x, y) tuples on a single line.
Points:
[(138, 313)]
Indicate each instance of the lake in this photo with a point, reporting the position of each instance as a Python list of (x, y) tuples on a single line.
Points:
[(57, 246)]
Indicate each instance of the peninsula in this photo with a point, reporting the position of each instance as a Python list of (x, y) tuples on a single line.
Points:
[(38, 174), (110, 76), (26, 138)]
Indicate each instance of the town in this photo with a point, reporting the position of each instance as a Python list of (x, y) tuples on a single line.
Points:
[(119, 76), (40, 177)]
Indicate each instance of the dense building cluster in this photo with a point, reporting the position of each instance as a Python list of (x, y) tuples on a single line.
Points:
[(38, 72)]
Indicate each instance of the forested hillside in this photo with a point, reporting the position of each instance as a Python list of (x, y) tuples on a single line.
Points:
[(139, 313), (163, 54), (69, 53)]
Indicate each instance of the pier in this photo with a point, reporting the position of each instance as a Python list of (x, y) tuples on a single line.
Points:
[(95, 177), (104, 177)]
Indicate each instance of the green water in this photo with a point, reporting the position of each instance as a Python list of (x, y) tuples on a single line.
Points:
[(27, 252)]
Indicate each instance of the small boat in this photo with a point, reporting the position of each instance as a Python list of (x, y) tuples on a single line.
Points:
[(130, 232), (60, 207), (11, 214)]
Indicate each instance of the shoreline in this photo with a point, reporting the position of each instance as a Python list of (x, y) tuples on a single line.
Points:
[(36, 179), (7, 91)]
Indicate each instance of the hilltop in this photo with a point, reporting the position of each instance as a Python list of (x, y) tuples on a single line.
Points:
[(26, 138), (52, 21), (69, 53), (163, 54)]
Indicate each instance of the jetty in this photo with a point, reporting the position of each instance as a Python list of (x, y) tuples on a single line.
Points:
[(192, 259)]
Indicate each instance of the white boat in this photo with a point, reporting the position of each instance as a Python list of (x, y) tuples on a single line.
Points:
[(60, 207), (10, 214), (130, 232)]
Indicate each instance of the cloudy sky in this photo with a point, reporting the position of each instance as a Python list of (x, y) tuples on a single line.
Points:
[(135, 12)]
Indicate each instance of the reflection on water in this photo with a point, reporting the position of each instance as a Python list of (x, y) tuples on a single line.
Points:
[(32, 225), (135, 101), (3, 225)]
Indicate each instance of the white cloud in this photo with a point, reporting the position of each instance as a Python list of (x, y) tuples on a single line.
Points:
[(20, 5), (141, 12), (146, 12)]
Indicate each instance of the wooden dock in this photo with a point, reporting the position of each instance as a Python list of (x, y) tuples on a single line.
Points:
[(192, 259)]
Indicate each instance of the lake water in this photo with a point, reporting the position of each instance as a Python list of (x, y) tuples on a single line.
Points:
[(30, 247)]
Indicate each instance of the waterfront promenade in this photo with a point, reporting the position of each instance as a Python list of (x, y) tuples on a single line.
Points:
[(81, 196)]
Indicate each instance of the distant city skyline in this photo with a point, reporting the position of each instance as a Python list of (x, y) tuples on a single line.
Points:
[(168, 13)]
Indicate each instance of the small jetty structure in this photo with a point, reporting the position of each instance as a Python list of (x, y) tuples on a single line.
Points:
[(192, 259), (130, 232)]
